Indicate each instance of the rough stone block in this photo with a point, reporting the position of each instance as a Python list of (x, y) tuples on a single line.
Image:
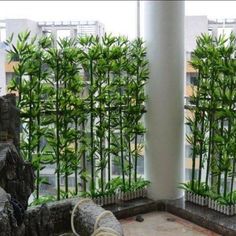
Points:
[(9, 120), (16, 176)]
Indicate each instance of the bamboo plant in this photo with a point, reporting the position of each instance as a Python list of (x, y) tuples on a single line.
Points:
[(82, 102), (213, 118)]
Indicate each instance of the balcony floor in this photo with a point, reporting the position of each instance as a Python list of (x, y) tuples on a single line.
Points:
[(164, 224)]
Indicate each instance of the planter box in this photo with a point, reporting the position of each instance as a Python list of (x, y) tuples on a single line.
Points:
[(139, 193), (122, 196), (196, 198), (229, 210), (106, 200)]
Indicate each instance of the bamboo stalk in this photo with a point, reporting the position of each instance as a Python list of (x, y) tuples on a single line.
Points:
[(230, 135), (211, 134), (109, 129), (201, 151), (220, 157), (84, 157), (195, 134), (121, 138), (57, 131), (91, 127), (130, 171), (101, 138), (76, 153), (136, 124), (65, 121), (221, 149), (38, 124), (30, 122)]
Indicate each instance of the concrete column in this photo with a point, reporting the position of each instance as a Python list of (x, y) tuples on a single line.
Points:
[(2, 70), (164, 36)]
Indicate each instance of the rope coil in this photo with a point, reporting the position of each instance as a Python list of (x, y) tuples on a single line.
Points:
[(101, 231)]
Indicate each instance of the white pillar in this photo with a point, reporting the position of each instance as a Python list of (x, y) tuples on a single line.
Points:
[(2, 70), (164, 36)]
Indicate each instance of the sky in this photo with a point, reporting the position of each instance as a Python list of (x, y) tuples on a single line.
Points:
[(119, 17)]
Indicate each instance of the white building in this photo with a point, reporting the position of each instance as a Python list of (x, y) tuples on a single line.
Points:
[(58, 29)]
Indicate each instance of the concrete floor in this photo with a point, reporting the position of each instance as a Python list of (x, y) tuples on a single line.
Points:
[(162, 224)]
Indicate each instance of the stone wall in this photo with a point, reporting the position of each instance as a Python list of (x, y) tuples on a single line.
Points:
[(9, 120), (16, 175), (5, 213), (53, 218)]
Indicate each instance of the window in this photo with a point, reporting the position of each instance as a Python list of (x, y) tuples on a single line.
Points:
[(50, 187), (210, 31), (43, 142), (187, 129), (188, 174), (116, 168), (71, 181), (47, 32), (140, 165), (188, 151), (224, 31), (9, 77), (187, 101), (49, 22), (63, 34), (188, 56), (193, 80), (2, 34)]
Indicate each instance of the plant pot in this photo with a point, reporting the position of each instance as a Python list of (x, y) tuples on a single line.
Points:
[(123, 196), (106, 200), (229, 210), (139, 193), (96, 200), (144, 192), (196, 198)]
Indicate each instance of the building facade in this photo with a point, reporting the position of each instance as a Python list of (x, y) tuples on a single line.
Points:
[(58, 29)]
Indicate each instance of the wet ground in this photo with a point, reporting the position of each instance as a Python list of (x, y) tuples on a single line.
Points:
[(162, 224)]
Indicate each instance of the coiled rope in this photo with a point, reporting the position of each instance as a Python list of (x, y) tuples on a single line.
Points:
[(101, 231)]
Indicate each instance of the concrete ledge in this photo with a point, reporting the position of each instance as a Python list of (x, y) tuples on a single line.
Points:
[(203, 216), (133, 207)]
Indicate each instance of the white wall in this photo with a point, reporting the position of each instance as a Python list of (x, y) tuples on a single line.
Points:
[(17, 26), (2, 71), (194, 26)]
